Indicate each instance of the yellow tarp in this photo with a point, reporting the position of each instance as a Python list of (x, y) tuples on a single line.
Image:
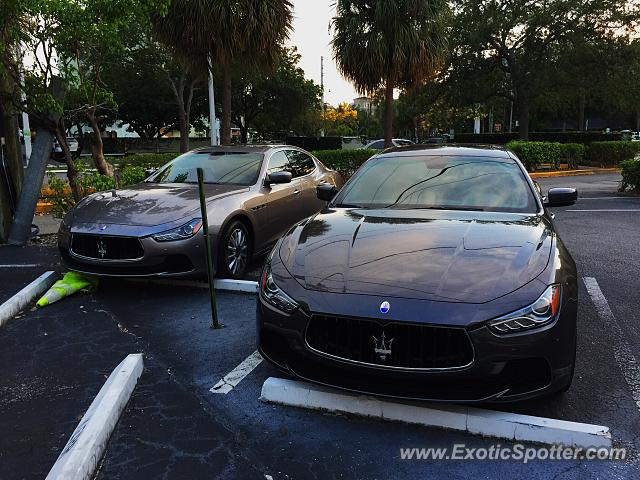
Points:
[(70, 284)]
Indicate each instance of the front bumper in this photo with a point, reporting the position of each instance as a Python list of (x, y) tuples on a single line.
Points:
[(182, 258), (504, 368)]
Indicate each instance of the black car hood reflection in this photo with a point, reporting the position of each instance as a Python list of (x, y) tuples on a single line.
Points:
[(452, 256)]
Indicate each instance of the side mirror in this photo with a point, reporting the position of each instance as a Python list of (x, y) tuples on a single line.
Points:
[(326, 192), (561, 197), (278, 177)]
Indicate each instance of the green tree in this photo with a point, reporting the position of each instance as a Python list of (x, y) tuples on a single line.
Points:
[(389, 44), (272, 102), (231, 32), (524, 39)]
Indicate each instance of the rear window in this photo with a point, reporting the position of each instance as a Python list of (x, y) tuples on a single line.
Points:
[(439, 182)]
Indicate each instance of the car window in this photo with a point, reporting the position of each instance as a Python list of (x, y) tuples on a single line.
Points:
[(300, 163), (440, 182), (403, 143), (235, 168), (278, 162), (379, 145)]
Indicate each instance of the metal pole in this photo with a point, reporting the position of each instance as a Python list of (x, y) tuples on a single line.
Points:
[(322, 90), (215, 137), (207, 246), (511, 118)]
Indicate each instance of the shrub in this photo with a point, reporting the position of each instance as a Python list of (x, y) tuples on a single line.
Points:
[(630, 175), (60, 195), (344, 161), (610, 154), (96, 182), (146, 160), (131, 174), (572, 153), (533, 154)]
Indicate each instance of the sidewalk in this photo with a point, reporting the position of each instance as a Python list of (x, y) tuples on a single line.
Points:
[(572, 173), (47, 224)]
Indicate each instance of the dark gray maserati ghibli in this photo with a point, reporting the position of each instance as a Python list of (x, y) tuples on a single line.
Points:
[(434, 273), (253, 193)]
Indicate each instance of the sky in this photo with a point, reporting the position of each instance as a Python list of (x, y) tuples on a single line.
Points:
[(311, 36)]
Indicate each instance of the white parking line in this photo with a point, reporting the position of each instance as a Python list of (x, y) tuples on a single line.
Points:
[(606, 210), (20, 265), (624, 357), (609, 198), (235, 376)]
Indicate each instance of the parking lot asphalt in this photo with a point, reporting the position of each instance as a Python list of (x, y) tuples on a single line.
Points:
[(55, 360)]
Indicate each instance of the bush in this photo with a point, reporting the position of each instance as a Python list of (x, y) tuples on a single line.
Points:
[(562, 137), (610, 154), (630, 175), (344, 161), (572, 153), (60, 195), (96, 182), (146, 160), (533, 154), (131, 174)]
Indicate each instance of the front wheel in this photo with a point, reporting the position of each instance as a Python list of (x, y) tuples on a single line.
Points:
[(235, 251)]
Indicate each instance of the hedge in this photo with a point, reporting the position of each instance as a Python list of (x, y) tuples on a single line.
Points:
[(145, 160), (561, 137), (533, 154), (344, 161), (630, 175), (610, 154)]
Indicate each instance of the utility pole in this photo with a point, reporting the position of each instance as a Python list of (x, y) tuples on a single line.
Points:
[(213, 123), (322, 89)]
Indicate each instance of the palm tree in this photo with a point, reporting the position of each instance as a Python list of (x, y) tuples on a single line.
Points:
[(389, 44), (230, 31)]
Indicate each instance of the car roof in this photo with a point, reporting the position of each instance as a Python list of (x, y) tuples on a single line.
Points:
[(239, 148), (449, 149)]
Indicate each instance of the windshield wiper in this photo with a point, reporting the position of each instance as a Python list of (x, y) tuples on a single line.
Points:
[(434, 207), (349, 205)]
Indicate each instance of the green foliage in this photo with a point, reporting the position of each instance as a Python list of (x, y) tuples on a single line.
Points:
[(533, 154), (131, 174), (344, 161), (610, 154), (98, 182), (146, 160), (572, 153), (630, 175), (61, 197)]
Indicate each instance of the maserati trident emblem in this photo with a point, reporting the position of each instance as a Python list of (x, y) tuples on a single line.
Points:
[(102, 248), (382, 348)]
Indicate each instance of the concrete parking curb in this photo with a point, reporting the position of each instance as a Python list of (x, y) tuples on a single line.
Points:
[(244, 286), (82, 453), (489, 423), (25, 296), (566, 173)]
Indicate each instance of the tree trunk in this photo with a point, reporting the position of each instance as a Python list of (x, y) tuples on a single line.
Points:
[(184, 128), (524, 117), (97, 151), (388, 115), (581, 109), (72, 171), (244, 133), (637, 120), (225, 134)]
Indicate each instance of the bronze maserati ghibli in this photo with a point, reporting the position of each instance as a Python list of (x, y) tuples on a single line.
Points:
[(254, 195)]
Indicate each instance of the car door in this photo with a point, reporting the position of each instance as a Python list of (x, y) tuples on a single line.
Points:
[(281, 198), (306, 179)]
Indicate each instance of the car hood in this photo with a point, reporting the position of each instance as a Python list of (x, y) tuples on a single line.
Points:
[(147, 204), (471, 257)]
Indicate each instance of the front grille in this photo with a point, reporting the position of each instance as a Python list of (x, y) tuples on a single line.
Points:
[(405, 345), (106, 248)]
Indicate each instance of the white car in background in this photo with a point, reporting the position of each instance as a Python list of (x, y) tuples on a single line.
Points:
[(58, 155), (397, 142)]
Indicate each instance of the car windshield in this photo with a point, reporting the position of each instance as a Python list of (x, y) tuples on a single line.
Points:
[(439, 182), (235, 168)]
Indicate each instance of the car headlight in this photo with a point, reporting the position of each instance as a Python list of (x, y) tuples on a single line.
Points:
[(273, 295), (541, 312), (187, 230)]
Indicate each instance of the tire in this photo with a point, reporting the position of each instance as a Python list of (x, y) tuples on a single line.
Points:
[(234, 253), (567, 385)]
